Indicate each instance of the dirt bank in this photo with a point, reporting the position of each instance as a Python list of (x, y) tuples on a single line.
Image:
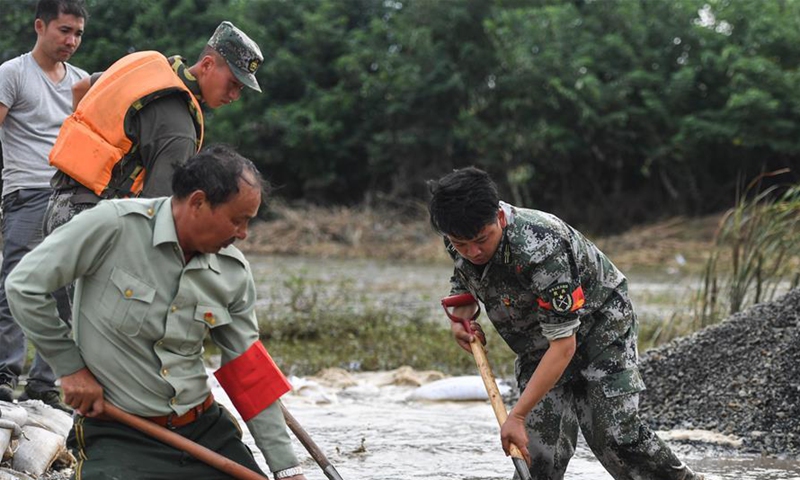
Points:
[(365, 232)]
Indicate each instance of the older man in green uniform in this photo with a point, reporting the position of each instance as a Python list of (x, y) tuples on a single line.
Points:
[(563, 308), (152, 278)]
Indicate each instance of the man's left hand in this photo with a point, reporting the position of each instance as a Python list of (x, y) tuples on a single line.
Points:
[(513, 432)]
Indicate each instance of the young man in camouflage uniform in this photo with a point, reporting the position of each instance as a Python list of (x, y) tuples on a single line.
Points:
[(563, 308)]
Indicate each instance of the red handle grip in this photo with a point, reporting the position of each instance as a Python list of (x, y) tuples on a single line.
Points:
[(459, 301)]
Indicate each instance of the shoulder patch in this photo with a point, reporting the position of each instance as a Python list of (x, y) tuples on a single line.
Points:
[(560, 297), (143, 207)]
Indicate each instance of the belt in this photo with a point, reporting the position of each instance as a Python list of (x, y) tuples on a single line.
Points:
[(173, 421)]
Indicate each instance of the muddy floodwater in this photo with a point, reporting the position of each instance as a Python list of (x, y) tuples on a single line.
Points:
[(372, 431)]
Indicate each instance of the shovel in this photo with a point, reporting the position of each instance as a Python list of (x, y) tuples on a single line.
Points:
[(182, 443), (486, 374), (316, 453), (212, 458)]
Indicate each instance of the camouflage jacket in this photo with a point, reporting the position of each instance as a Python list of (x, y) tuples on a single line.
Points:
[(545, 281)]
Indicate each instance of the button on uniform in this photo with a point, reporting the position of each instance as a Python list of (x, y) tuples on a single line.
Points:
[(128, 293), (164, 372)]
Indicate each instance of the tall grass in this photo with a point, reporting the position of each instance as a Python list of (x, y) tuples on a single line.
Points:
[(350, 333), (756, 252)]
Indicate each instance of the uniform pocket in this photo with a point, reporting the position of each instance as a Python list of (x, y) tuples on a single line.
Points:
[(130, 300), (206, 317), (622, 383)]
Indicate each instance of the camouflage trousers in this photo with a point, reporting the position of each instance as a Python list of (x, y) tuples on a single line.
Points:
[(60, 210), (600, 398)]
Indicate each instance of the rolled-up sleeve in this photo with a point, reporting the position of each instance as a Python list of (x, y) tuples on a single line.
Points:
[(557, 286)]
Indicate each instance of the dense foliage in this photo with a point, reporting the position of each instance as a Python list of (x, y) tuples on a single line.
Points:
[(605, 112)]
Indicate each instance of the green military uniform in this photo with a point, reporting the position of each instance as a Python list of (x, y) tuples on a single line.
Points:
[(141, 314), (163, 132), (547, 281)]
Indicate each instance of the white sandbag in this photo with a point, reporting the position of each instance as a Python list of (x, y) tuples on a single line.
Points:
[(463, 388), (5, 442), (8, 430), (44, 416), (8, 474), (38, 449), (13, 412)]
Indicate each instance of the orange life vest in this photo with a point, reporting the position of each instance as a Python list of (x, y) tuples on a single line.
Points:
[(92, 140)]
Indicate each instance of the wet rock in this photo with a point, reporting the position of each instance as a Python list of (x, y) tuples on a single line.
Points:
[(739, 378), (335, 377), (409, 377)]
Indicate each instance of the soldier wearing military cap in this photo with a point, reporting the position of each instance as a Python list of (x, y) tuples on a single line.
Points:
[(563, 308), (149, 111)]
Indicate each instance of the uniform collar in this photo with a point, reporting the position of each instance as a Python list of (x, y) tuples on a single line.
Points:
[(503, 255), (164, 232), (182, 71)]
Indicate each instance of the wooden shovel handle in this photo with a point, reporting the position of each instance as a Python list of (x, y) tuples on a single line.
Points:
[(182, 443), (313, 449), (491, 389)]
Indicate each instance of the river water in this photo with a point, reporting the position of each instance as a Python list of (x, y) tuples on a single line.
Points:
[(372, 431), (375, 432)]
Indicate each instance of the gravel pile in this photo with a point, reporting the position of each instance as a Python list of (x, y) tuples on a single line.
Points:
[(740, 377)]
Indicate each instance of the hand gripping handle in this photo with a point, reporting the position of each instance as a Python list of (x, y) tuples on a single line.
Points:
[(459, 301)]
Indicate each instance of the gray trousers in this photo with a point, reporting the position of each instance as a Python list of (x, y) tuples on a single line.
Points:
[(23, 214)]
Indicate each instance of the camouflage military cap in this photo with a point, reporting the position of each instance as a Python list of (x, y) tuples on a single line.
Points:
[(242, 54)]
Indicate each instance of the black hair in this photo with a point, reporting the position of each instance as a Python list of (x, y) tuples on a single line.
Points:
[(217, 170), (49, 10), (209, 50), (463, 202)]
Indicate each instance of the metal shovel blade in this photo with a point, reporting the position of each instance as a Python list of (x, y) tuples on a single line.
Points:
[(522, 468), (332, 474)]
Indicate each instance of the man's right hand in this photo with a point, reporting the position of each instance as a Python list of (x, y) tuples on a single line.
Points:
[(459, 332), (83, 393)]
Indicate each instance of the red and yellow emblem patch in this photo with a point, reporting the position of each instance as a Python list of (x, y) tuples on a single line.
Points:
[(560, 299)]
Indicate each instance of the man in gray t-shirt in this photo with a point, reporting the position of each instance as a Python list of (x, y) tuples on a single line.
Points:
[(35, 98)]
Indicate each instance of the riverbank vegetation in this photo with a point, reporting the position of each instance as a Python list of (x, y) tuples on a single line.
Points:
[(348, 329), (607, 113), (634, 121)]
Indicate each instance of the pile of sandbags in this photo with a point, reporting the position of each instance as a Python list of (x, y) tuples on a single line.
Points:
[(33, 440)]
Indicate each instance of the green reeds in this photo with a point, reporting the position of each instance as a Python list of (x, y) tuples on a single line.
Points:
[(756, 252)]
